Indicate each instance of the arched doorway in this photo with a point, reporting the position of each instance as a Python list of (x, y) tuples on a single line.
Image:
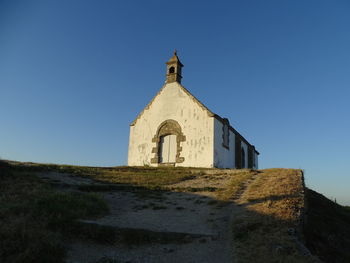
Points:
[(168, 139)]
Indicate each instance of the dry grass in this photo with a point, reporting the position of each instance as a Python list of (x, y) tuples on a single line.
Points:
[(146, 178), (156, 178), (235, 185), (277, 192), (269, 211), (266, 227), (149, 177)]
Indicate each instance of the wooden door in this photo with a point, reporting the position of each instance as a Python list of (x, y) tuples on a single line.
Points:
[(168, 149)]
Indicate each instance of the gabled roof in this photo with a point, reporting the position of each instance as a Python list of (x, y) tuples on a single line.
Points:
[(200, 104), (210, 113)]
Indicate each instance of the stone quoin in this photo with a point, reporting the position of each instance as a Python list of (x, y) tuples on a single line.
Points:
[(176, 129)]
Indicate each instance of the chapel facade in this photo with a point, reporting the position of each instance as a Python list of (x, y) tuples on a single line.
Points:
[(176, 129)]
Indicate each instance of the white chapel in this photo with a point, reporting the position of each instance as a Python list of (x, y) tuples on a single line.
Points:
[(176, 129)]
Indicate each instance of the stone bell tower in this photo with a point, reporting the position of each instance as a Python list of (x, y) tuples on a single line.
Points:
[(174, 67)]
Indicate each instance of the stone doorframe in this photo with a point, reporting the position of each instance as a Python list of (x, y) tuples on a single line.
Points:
[(168, 127)]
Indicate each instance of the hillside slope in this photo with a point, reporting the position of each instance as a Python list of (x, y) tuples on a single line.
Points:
[(166, 214), (327, 228)]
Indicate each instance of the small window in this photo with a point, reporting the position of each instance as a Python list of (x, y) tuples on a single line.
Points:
[(243, 158), (225, 136), (171, 70)]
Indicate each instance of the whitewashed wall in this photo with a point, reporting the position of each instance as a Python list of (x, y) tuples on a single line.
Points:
[(173, 103), (223, 157)]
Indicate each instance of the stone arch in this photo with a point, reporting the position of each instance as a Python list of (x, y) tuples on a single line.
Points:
[(168, 127)]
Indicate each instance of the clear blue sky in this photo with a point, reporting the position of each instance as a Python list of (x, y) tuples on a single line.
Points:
[(74, 74)]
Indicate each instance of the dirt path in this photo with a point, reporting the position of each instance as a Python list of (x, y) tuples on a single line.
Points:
[(184, 226)]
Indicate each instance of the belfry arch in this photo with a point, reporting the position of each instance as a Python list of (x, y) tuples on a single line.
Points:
[(168, 130)]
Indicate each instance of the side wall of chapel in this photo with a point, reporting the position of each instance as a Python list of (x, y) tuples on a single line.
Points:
[(224, 157)]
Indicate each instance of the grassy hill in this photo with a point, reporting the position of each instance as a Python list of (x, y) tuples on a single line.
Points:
[(35, 218), (327, 228), (275, 218)]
